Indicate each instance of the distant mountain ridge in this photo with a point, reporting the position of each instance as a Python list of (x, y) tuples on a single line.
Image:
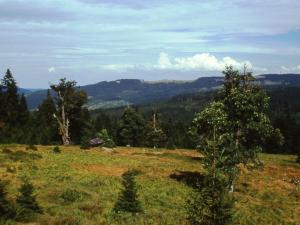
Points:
[(110, 94)]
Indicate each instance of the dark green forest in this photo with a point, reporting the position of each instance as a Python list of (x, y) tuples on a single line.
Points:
[(160, 124)]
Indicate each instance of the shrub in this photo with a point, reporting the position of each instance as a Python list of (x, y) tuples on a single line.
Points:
[(211, 204), (128, 199), (6, 208), (56, 150), (108, 141), (6, 151), (31, 147), (26, 201), (71, 195)]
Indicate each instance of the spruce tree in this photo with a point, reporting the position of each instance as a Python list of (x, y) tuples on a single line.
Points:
[(131, 128), (154, 135), (10, 99), (128, 199), (6, 208), (71, 116), (46, 128), (27, 201)]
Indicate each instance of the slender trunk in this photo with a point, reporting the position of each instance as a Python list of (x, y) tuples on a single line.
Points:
[(63, 123)]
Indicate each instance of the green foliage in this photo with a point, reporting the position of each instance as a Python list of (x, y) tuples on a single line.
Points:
[(72, 117), (71, 195), (14, 114), (154, 135), (56, 150), (128, 199), (26, 201), (131, 128), (211, 204), (108, 141), (6, 207)]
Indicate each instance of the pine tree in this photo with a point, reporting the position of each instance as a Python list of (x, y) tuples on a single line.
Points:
[(128, 199), (71, 116), (6, 208), (131, 128), (27, 201), (10, 99), (46, 127), (154, 135), (23, 111)]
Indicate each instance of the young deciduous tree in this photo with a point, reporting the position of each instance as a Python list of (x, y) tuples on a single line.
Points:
[(230, 131)]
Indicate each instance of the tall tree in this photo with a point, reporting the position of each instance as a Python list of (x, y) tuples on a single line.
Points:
[(131, 128), (230, 131), (10, 99), (70, 115), (154, 135), (249, 127)]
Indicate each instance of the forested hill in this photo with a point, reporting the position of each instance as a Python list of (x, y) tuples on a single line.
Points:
[(118, 93)]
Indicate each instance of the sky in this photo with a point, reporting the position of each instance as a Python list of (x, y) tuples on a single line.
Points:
[(95, 40)]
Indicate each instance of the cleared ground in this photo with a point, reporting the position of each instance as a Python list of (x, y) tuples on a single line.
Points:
[(81, 186)]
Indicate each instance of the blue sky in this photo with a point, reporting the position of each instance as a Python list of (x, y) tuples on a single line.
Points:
[(96, 40)]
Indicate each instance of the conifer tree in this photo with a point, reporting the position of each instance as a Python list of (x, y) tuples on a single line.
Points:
[(128, 199), (131, 128), (6, 208), (27, 201), (154, 135), (71, 116), (10, 99)]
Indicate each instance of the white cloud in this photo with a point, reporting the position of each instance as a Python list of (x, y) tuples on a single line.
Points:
[(290, 69), (200, 62), (118, 67), (51, 70), (204, 61)]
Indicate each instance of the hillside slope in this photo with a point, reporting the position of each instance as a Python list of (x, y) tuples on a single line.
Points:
[(81, 187), (131, 91)]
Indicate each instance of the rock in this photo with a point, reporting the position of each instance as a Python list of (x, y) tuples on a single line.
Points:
[(96, 142)]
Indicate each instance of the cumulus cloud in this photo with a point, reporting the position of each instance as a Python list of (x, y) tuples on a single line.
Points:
[(200, 62), (290, 69), (204, 61)]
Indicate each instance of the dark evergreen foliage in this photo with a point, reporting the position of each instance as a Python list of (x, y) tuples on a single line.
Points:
[(27, 201), (6, 207), (131, 128), (128, 199), (211, 204)]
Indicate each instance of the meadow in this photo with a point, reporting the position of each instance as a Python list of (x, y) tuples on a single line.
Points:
[(81, 186)]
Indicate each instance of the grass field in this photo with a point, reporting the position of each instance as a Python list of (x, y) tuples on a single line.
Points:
[(81, 186)]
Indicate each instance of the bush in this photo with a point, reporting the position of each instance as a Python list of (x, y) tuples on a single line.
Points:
[(128, 199), (56, 150), (26, 202), (6, 151), (211, 204), (72, 195), (108, 141), (6, 208), (31, 147)]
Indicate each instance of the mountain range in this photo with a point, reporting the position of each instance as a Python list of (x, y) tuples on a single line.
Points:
[(112, 94)]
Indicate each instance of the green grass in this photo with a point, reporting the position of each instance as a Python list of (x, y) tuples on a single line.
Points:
[(81, 186)]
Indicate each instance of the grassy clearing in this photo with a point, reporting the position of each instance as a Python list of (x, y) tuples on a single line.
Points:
[(81, 186)]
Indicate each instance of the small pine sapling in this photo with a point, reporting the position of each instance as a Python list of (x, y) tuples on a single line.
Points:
[(26, 201), (128, 199)]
